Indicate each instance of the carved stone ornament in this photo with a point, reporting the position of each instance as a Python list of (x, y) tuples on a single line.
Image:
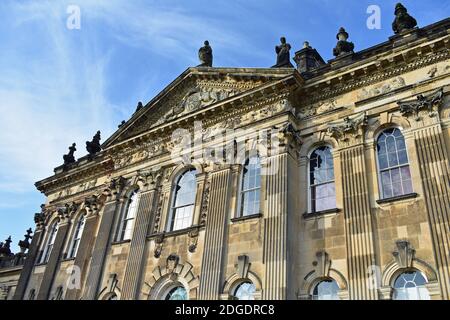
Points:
[(403, 21), (115, 185), (289, 135), (404, 255), (193, 239), (195, 99), (158, 212), (243, 266), (159, 241), (93, 146), (65, 212), (172, 262), (205, 203), (149, 177), (430, 103), (91, 205), (39, 218), (383, 88), (322, 264), (69, 158), (351, 125), (343, 46)]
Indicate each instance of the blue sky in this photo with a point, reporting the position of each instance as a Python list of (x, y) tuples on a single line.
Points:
[(59, 86)]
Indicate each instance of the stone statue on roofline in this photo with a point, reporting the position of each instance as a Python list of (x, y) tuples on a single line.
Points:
[(69, 158), (93, 146), (403, 21), (283, 54), (205, 55)]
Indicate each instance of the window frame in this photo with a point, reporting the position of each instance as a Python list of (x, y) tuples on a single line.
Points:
[(124, 217), (76, 236), (172, 208), (396, 277), (240, 208), (310, 186), (52, 232), (381, 196)]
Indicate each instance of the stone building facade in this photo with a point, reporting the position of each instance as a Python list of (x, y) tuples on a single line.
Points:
[(329, 180)]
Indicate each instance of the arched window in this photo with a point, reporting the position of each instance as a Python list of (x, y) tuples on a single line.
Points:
[(393, 165), (410, 285), (127, 221), (322, 191), (245, 291), (251, 187), (182, 210), (76, 237), (326, 290), (47, 249), (177, 293)]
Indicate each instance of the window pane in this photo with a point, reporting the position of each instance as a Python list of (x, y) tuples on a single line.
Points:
[(326, 290), (390, 144), (386, 184), (382, 161), (245, 291), (402, 157), (410, 285), (251, 184), (177, 293), (392, 159)]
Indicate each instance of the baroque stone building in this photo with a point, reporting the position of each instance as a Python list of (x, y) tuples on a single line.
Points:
[(328, 180)]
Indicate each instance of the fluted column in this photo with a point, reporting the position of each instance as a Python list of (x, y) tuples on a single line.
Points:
[(434, 170), (275, 228), (358, 223), (85, 247), (55, 255), (423, 113), (137, 255), (31, 257), (112, 206), (215, 235)]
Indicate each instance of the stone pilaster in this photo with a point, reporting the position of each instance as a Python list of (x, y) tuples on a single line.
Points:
[(358, 222), (423, 114), (30, 260), (275, 228), (215, 235), (85, 246), (434, 164), (357, 212), (56, 253), (138, 245), (105, 233)]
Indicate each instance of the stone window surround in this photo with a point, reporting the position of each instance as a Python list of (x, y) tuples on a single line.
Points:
[(378, 172)]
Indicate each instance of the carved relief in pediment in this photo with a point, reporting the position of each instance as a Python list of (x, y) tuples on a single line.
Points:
[(195, 99)]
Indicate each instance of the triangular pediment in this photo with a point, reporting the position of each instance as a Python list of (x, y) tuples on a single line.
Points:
[(194, 89)]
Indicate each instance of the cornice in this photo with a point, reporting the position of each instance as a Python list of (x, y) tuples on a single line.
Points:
[(92, 169), (377, 69)]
